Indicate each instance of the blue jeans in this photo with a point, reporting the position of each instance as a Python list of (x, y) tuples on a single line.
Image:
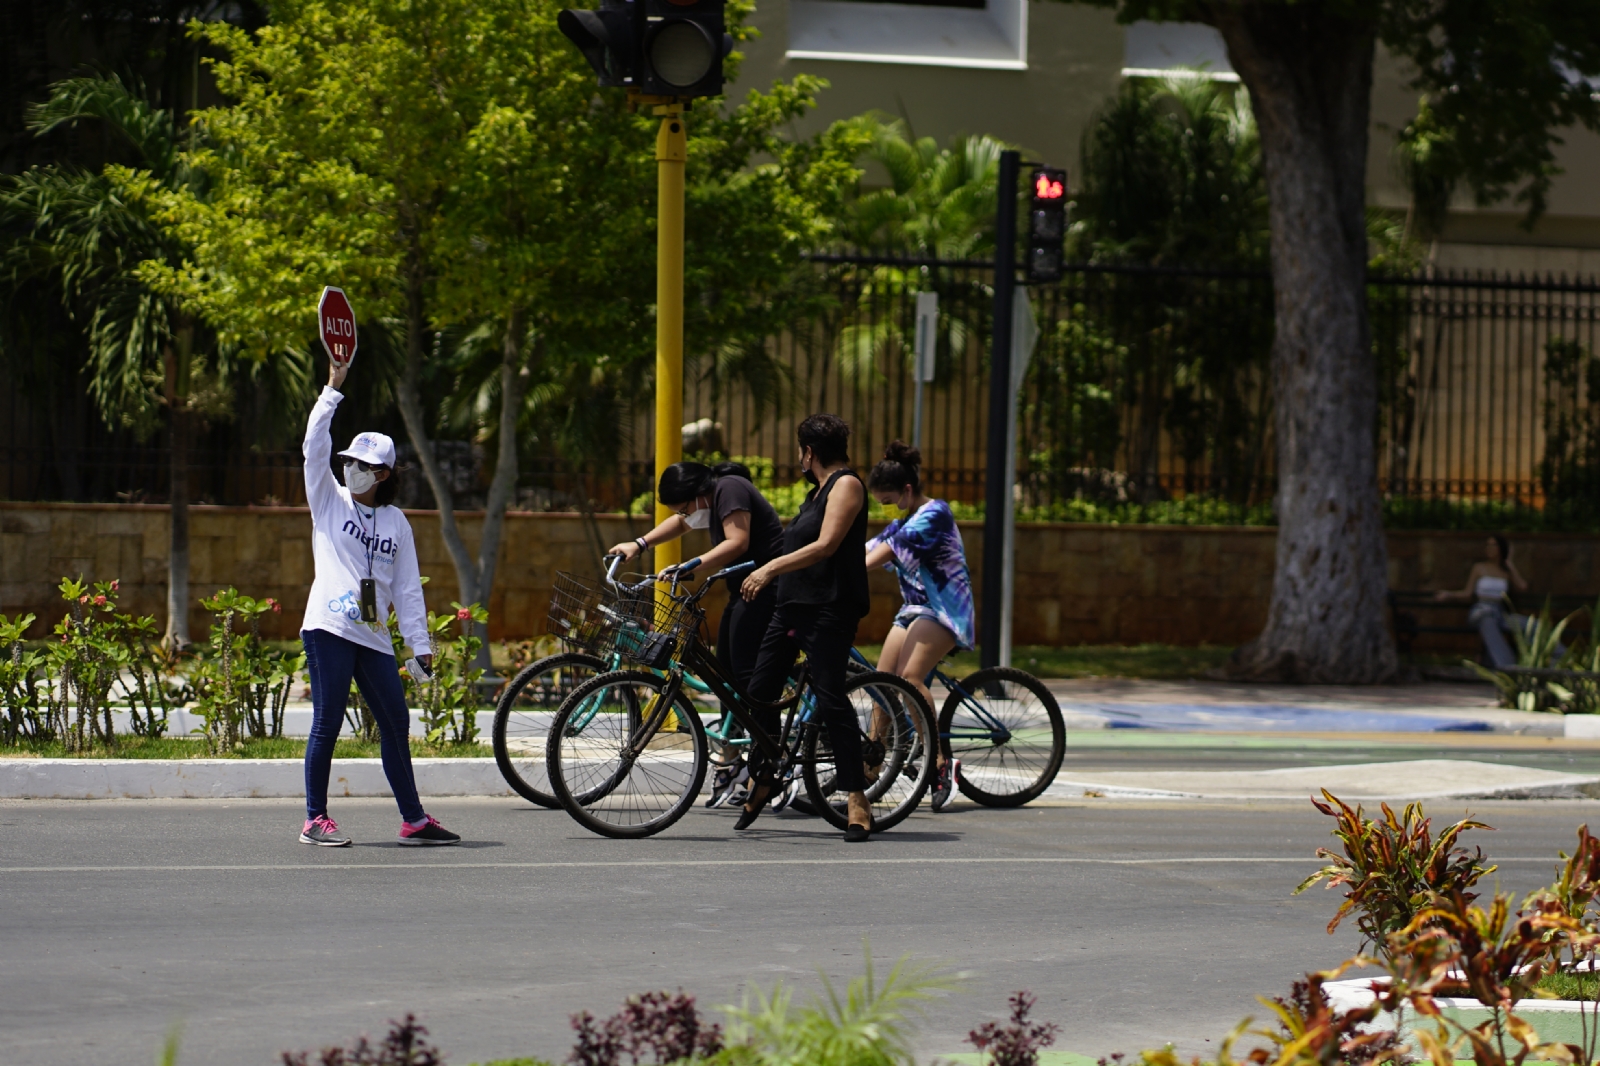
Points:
[(333, 662)]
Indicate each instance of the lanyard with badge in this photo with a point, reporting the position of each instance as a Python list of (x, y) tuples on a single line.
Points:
[(369, 587)]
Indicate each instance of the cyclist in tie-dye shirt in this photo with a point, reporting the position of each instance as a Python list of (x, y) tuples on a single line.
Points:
[(924, 549)]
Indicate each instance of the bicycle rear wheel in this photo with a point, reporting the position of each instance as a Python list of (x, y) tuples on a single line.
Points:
[(1006, 728), (896, 727), (523, 716), (610, 778)]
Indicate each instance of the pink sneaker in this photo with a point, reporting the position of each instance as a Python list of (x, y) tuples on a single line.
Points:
[(429, 832), (323, 832)]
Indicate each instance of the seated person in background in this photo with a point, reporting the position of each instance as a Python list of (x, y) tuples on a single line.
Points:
[(1488, 582)]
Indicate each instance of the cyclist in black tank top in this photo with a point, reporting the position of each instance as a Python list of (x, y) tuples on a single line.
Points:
[(822, 596)]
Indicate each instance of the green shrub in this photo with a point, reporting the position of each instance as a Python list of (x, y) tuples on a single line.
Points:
[(242, 685)]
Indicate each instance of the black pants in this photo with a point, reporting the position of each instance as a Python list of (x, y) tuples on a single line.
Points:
[(825, 634), (741, 631)]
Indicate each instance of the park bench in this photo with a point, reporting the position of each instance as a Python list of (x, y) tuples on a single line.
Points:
[(1414, 612)]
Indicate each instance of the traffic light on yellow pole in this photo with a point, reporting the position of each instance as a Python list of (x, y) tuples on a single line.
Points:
[(672, 152), (666, 53)]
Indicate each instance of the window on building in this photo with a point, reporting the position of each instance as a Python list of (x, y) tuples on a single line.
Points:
[(1161, 49), (933, 33)]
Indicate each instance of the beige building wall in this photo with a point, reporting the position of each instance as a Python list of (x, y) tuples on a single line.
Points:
[(1075, 57)]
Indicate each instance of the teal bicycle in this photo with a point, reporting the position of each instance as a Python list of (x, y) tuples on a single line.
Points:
[(626, 753), (586, 624), (596, 639), (1004, 727)]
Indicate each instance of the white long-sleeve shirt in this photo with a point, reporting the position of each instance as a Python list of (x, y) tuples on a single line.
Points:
[(350, 542)]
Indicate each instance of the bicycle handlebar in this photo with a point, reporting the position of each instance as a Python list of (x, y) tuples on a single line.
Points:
[(678, 573)]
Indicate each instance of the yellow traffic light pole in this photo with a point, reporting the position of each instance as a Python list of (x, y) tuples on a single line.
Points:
[(672, 153)]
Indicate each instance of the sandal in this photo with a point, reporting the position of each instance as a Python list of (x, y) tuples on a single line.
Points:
[(759, 795)]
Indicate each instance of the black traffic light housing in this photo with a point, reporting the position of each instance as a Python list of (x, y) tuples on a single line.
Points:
[(663, 48), (1047, 224), (607, 38)]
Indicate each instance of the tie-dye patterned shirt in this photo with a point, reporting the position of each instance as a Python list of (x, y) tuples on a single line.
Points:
[(932, 566)]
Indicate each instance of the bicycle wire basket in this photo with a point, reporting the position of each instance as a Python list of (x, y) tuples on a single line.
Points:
[(655, 628), (582, 616)]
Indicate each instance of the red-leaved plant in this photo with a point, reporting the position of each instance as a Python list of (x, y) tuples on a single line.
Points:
[(651, 1027), (1018, 1042), (403, 1046)]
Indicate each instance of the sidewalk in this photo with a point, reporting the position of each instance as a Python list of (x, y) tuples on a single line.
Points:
[(1434, 707)]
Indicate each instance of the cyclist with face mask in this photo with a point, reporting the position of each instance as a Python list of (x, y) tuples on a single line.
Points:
[(366, 562), (744, 528)]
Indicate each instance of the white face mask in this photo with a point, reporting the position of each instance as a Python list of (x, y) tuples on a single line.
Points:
[(358, 480), (700, 519)]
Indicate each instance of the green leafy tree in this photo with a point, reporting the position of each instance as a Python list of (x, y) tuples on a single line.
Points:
[(1172, 174), (1498, 79), (84, 237), (939, 201), (939, 204), (456, 169)]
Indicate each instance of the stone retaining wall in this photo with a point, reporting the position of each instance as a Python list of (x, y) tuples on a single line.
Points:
[(1075, 583)]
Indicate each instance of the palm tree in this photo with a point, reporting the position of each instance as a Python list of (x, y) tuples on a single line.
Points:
[(939, 204), (87, 234)]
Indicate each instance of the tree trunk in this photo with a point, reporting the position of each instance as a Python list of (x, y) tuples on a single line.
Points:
[(176, 368), (408, 395), (1309, 73), (514, 378)]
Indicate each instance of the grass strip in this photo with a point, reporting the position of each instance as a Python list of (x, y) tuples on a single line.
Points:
[(132, 747)]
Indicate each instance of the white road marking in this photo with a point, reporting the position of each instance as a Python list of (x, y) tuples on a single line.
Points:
[(1224, 860)]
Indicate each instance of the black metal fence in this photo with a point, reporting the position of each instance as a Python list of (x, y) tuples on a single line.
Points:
[(1148, 395), (1147, 398)]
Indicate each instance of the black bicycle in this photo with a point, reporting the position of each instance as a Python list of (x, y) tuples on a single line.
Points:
[(627, 752)]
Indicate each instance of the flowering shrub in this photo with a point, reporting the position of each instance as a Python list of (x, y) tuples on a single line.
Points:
[(98, 661), (242, 686), (20, 693), (95, 658), (450, 700)]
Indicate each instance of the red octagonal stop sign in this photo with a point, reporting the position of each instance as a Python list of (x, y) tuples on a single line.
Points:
[(336, 322)]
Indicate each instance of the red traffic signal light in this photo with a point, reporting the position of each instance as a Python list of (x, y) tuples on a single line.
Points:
[(1047, 224)]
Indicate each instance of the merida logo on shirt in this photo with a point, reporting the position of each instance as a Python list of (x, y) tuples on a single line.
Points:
[(386, 546)]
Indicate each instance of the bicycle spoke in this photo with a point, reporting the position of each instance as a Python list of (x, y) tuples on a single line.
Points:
[(1008, 734), (610, 790)]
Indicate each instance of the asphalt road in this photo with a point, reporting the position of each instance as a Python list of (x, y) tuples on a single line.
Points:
[(1134, 923)]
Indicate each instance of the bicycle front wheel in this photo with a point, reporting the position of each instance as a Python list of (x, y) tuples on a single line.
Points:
[(1006, 728), (522, 719), (896, 739), (620, 761)]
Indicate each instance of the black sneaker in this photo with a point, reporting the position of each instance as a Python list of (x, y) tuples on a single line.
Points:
[(323, 832), (944, 786), (430, 832)]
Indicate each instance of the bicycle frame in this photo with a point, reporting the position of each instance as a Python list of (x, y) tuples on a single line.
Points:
[(996, 733), (693, 660)]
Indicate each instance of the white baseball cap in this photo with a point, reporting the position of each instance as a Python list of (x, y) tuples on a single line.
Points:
[(374, 448)]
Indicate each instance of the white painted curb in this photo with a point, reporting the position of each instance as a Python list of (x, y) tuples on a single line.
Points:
[(1580, 726), (233, 778)]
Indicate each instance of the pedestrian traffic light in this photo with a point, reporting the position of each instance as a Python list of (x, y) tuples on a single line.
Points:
[(1047, 224), (665, 48)]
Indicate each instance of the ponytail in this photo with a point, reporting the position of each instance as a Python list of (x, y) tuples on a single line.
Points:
[(899, 468)]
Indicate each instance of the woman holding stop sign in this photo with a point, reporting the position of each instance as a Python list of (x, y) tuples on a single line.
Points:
[(366, 562)]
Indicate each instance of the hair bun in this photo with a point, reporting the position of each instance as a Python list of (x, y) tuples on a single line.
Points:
[(900, 452)]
